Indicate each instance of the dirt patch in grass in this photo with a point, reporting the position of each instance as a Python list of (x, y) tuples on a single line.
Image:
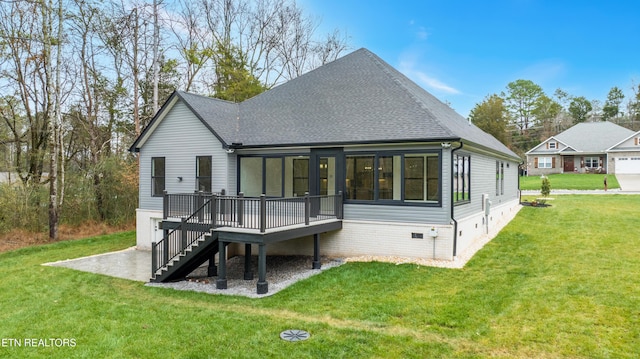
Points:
[(20, 238)]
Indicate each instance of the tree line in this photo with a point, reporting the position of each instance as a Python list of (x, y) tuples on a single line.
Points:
[(81, 78), (523, 115)]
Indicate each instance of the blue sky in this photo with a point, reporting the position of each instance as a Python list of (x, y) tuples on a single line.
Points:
[(462, 51)]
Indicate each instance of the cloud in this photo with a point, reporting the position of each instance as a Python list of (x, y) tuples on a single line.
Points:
[(422, 33), (408, 67)]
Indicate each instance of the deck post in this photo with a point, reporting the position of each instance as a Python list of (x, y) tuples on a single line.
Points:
[(214, 211), (248, 274), (165, 248), (316, 252), (262, 286), (339, 205), (221, 282), (307, 208), (212, 270), (154, 259), (240, 208), (183, 234), (198, 205), (165, 204), (263, 213)]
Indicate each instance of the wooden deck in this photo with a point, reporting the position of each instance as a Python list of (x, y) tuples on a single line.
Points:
[(249, 221)]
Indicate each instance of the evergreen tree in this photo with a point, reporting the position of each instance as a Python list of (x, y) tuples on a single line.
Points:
[(492, 117), (234, 81)]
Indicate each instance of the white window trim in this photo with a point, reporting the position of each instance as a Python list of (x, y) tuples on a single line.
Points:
[(545, 162)]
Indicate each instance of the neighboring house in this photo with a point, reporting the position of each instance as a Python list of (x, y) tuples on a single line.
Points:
[(624, 156), (588, 147), (405, 175)]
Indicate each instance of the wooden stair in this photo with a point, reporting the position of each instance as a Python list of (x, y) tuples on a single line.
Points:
[(187, 261)]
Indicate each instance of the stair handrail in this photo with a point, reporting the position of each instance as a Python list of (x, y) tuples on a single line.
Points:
[(163, 244)]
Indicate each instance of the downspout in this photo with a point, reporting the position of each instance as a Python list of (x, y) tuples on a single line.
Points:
[(455, 223), (519, 191)]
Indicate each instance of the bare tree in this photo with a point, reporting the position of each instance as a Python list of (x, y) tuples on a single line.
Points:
[(193, 42), (25, 72), (275, 37)]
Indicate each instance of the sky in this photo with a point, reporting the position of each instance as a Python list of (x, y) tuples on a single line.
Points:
[(463, 51)]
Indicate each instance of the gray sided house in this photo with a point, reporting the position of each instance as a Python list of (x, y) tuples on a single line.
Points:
[(588, 147), (349, 159)]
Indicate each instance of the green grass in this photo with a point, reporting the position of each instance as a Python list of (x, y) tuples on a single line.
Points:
[(559, 281), (575, 181)]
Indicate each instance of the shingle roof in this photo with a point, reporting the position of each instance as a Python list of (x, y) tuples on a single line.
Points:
[(593, 137), (358, 98)]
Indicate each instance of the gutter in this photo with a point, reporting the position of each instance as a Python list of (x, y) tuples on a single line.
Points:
[(455, 223)]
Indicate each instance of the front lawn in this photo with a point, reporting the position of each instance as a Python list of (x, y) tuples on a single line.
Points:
[(575, 181), (557, 282)]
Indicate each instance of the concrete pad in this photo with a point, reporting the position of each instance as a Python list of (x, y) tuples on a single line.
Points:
[(629, 183), (129, 264)]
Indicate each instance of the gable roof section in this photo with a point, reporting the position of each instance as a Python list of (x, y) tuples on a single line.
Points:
[(613, 148), (215, 114), (358, 98), (552, 138), (593, 137)]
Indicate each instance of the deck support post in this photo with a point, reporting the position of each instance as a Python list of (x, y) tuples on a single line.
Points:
[(316, 252), (221, 282), (248, 273), (262, 286), (212, 270)]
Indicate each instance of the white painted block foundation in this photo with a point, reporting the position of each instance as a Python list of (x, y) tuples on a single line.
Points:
[(364, 238)]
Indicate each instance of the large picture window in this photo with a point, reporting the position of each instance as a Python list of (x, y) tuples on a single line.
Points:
[(251, 176), (545, 162), (203, 173), (591, 162), (157, 176), (462, 179), (408, 177), (275, 176), (300, 176), (359, 177)]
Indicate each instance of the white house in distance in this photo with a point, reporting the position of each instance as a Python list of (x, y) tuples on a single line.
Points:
[(588, 147), (388, 168)]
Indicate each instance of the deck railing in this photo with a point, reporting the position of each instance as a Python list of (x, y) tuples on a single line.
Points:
[(181, 205), (260, 213)]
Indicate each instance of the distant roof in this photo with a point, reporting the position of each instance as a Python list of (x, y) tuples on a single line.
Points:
[(358, 98), (593, 137)]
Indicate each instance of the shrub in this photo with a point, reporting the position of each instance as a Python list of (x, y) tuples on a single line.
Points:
[(545, 188)]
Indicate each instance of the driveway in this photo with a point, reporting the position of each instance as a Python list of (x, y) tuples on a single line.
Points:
[(629, 183)]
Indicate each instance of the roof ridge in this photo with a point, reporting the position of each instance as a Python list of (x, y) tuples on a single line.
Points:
[(206, 97), (397, 77)]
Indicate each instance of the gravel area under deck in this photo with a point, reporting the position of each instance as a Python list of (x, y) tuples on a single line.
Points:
[(282, 271)]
